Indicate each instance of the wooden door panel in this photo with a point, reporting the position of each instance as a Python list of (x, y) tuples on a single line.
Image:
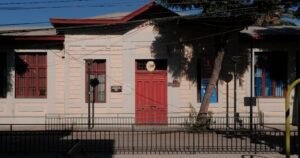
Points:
[(151, 98)]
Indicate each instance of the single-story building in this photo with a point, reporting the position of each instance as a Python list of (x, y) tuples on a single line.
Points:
[(136, 71)]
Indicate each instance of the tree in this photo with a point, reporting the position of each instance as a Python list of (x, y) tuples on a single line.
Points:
[(265, 12)]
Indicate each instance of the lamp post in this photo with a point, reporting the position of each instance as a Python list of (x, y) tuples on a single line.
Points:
[(227, 78), (235, 60), (93, 83), (89, 62), (251, 89)]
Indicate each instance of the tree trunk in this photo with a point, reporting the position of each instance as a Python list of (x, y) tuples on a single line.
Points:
[(212, 83)]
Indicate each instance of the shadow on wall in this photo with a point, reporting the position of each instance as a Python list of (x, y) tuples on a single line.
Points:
[(283, 43), (20, 67), (185, 43), (276, 40)]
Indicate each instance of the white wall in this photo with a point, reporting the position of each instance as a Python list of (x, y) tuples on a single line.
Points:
[(66, 80), (33, 110)]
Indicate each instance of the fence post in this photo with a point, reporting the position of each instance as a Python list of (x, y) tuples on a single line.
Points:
[(132, 137), (255, 128)]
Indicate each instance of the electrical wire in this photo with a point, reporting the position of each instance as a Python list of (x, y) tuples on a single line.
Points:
[(104, 17), (43, 2), (131, 87), (58, 7), (169, 43), (129, 22), (38, 7), (80, 61), (198, 38), (135, 48), (70, 1)]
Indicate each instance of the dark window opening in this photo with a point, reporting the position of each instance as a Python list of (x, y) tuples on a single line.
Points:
[(160, 64), (270, 74), (204, 70), (3, 75), (298, 65)]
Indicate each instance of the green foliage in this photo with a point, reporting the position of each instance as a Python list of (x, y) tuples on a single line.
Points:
[(195, 124), (208, 6), (297, 14), (263, 10)]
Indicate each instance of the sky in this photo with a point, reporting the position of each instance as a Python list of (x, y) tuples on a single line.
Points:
[(32, 11), (35, 11)]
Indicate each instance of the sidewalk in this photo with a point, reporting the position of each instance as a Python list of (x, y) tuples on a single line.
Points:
[(206, 156), (155, 156), (279, 127)]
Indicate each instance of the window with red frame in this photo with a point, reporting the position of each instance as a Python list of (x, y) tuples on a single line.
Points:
[(97, 81), (31, 75), (270, 74), (3, 75)]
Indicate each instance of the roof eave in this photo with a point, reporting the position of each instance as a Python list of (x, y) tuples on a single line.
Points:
[(56, 22), (60, 22), (56, 38)]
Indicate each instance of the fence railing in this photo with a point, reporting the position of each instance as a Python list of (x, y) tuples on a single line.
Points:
[(65, 122), (135, 141)]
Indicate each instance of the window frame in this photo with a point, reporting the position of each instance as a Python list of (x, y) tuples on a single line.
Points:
[(37, 66), (96, 73), (264, 78)]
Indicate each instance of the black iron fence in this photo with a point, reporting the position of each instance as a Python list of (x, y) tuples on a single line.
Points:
[(142, 140), (176, 122)]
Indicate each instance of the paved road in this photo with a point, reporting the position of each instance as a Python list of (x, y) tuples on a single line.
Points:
[(141, 141), (162, 143), (151, 156)]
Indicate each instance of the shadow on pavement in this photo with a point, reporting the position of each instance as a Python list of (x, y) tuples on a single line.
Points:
[(53, 143)]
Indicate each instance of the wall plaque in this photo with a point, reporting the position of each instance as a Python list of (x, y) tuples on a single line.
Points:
[(176, 83), (116, 89)]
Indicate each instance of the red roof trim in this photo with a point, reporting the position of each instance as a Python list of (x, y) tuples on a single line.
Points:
[(63, 22), (56, 22), (38, 38), (138, 11)]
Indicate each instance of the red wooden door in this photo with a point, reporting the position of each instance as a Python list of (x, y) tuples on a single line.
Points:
[(151, 97)]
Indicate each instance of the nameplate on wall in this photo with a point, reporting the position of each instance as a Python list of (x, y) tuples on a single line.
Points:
[(116, 89), (176, 83)]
